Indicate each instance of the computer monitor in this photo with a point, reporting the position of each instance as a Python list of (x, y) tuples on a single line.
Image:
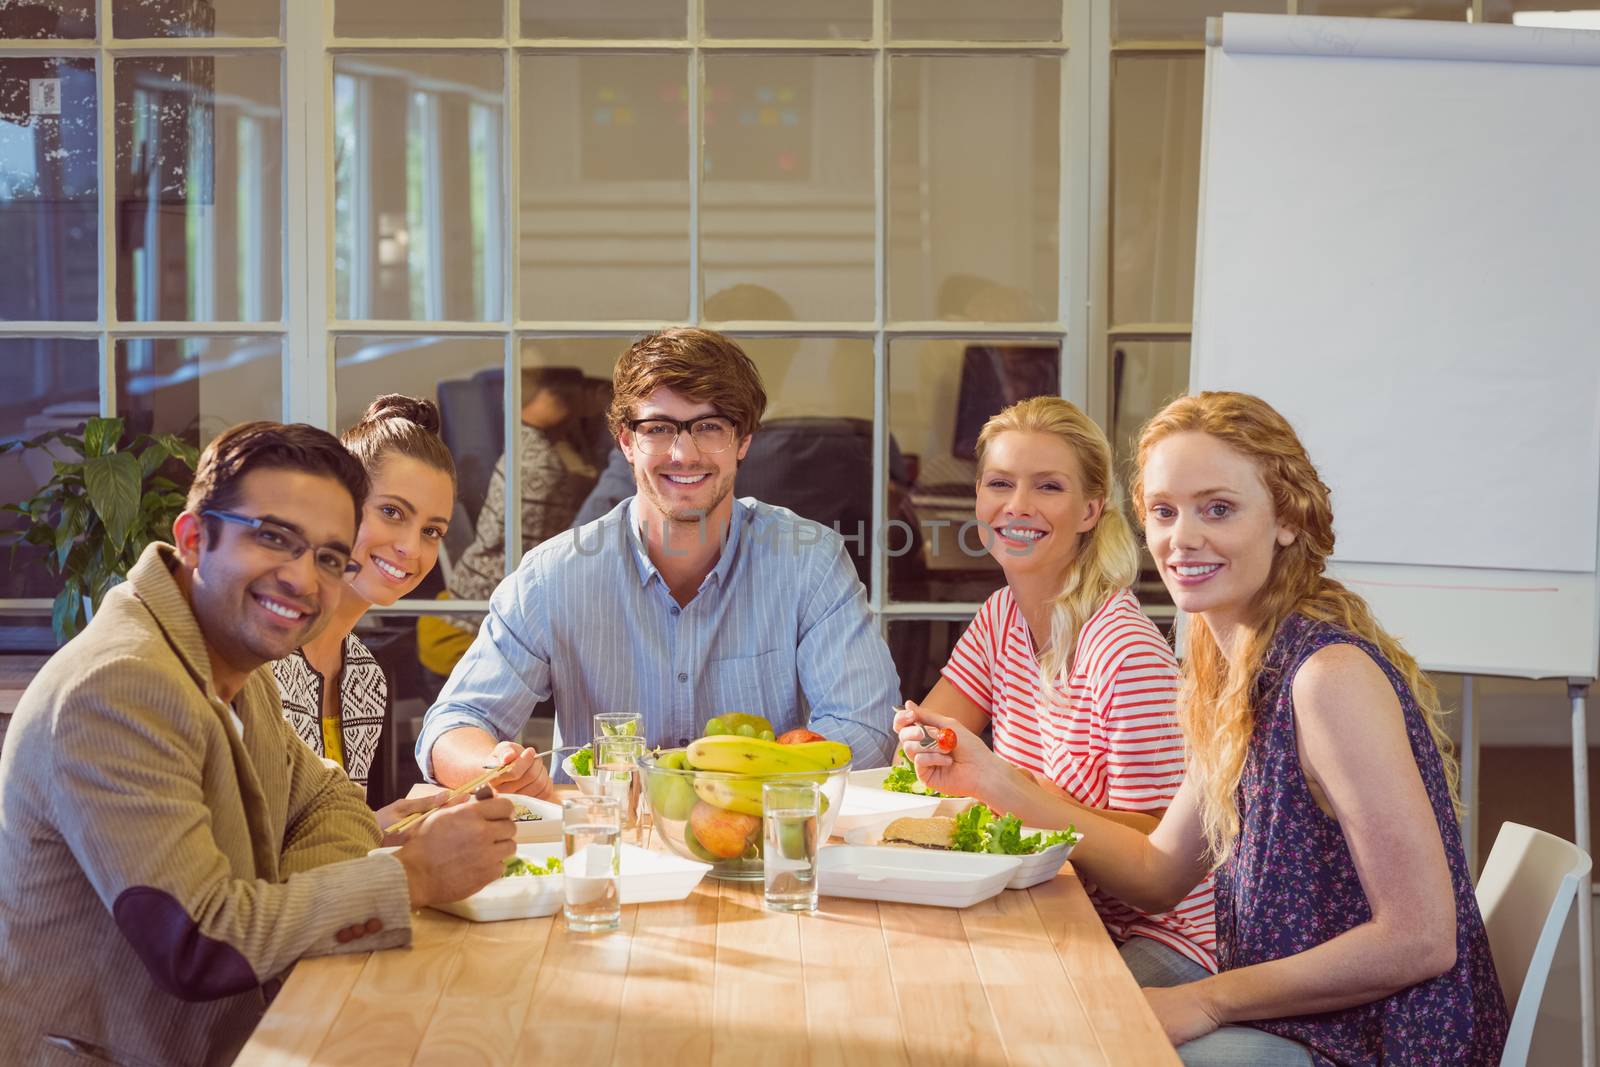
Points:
[(995, 376)]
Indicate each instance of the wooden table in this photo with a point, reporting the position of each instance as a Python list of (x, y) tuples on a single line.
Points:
[(1026, 978)]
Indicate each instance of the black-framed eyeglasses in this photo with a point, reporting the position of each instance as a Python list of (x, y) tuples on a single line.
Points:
[(334, 562), (710, 433)]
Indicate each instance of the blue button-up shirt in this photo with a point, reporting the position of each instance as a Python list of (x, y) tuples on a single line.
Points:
[(779, 628)]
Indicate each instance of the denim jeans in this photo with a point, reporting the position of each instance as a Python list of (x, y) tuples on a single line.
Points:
[(1154, 964)]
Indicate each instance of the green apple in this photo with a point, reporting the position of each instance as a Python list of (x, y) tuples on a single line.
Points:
[(671, 795)]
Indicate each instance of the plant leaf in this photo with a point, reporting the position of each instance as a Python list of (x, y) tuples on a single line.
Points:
[(66, 614), (113, 483), (151, 459), (100, 436), (177, 446), (74, 520)]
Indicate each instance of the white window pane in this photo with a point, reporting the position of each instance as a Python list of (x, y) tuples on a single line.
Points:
[(1145, 375), (49, 171), (1437, 10), (819, 19), (45, 19), (366, 367), (940, 395), (199, 187), (963, 20), (1177, 20), (786, 207), (186, 18), (196, 387), (48, 384), (605, 187), (417, 18), (419, 230), (1155, 116), (974, 187), (614, 19)]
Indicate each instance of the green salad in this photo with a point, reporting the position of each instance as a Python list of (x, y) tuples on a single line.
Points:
[(517, 867), (902, 778), (979, 830), (583, 761)]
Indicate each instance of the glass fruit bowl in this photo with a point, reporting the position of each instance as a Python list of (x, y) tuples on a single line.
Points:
[(714, 816)]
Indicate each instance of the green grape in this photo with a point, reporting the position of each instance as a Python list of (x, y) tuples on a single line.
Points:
[(767, 735), (746, 730), (714, 727)]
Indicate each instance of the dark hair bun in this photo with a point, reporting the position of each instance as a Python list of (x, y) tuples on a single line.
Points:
[(425, 413)]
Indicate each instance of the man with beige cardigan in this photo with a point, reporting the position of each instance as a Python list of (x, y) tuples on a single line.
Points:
[(169, 847)]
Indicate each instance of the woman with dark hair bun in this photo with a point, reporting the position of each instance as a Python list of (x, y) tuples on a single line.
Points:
[(334, 692)]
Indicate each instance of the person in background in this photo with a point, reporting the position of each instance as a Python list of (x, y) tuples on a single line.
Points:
[(555, 480), (556, 477), (334, 692), (1074, 680), (1319, 786), (170, 847), (681, 602)]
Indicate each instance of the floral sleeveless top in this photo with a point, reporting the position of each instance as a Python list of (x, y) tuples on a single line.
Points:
[(1290, 884)]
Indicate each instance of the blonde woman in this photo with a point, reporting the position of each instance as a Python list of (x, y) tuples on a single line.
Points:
[(1319, 786), (1075, 682)]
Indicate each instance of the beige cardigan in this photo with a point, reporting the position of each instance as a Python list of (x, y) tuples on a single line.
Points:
[(157, 868)]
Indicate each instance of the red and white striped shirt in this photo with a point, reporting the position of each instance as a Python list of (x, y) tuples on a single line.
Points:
[(1110, 739)]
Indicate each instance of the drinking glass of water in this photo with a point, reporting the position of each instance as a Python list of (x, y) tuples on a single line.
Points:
[(619, 724), (789, 857), (592, 862), (616, 767)]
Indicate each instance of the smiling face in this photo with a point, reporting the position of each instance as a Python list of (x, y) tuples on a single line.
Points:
[(1031, 494), (407, 515), (253, 604), (684, 485), (1210, 525)]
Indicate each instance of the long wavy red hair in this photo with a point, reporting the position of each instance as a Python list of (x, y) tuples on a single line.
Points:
[(1214, 707)]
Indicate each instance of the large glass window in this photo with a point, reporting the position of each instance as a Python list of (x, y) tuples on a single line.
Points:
[(49, 183)]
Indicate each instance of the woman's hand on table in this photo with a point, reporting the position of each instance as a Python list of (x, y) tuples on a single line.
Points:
[(1184, 1011), (527, 775), (968, 769)]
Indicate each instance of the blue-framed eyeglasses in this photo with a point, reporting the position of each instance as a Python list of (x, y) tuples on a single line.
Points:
[(334, 562)]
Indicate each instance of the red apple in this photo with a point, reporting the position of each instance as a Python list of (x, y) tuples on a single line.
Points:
[(799, 736)]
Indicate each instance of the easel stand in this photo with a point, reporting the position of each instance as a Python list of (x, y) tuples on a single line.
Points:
[(1578, 691)]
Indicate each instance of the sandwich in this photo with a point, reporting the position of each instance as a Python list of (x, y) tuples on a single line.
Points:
[(937, 832)]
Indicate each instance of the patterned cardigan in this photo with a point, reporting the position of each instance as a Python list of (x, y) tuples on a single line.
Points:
[(163, 864), (363, 699)]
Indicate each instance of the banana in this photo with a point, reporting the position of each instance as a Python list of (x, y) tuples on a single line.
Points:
[(751, 755), (731, 794), (740, 794), (829, 754)]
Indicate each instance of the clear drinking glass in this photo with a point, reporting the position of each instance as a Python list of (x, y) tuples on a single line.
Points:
[(616, 766), (789, 858), (591, 864), (619, 724)]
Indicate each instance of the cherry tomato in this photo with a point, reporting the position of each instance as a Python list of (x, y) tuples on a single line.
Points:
[(947, 740)]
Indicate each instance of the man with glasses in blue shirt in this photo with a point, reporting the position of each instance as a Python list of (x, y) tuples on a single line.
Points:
[(682, 602)]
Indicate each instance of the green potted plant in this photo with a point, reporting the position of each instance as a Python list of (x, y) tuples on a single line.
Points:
[(99, 510)]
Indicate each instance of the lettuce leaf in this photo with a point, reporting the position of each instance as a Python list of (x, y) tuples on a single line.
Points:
[(979, 830), (583, 761), (517, 867), (902, 778)]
